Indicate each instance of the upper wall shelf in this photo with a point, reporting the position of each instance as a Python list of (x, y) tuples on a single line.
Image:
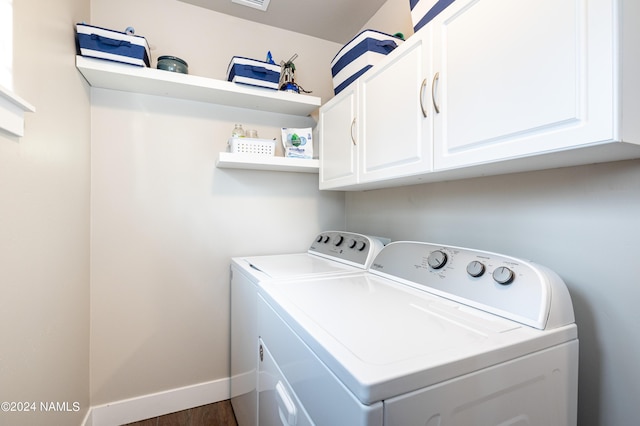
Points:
[(151, 81)]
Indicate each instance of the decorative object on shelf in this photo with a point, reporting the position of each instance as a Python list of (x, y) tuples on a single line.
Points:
[(287, 76), (361, 53), (297, 143), (253, 72), (238, 131), (423, 11), (173, 64), (102, 43)]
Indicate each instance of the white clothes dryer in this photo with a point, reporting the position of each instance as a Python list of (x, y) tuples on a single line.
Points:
[(332, 253), (431, 335)]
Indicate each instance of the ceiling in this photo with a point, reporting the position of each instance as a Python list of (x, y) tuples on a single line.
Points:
[(334, 20)]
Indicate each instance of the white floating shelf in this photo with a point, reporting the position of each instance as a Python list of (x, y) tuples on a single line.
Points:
[(12, 109), (112, 75), (229, 160)]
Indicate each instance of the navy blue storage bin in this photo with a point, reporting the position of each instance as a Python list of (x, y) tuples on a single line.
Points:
[(253, 72), (118, 46), (361, 53)]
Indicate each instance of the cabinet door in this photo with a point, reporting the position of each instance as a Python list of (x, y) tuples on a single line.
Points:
[(518, 78), (338, 140), (396, 128)]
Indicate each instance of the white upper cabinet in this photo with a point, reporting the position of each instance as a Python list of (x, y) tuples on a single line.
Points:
[(396, 121), (522, 77), (491, 87), (380, 127)]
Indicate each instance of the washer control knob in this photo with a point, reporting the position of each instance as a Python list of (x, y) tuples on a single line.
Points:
[(475, 269), (503, 275), (338, 240), (326, 239), (361, 246), (320, 238), (352, 243), (437, 259)]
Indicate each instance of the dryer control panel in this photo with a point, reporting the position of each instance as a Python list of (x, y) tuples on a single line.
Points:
[(512, 288), (348, 247)]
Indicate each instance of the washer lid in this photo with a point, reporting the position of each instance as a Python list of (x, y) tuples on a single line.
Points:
[(383, 338), (287, 266)]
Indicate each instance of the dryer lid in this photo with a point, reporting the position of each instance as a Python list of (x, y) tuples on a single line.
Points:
[(383, 338)]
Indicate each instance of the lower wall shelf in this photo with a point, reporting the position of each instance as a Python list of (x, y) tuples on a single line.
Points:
[(228, 160)]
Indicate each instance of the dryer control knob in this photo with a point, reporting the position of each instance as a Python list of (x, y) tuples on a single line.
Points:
[(320, 238), (503, 275), (475, 269), (352, 243), (437, 259), (361, 246), (338, 240), (326, 239)]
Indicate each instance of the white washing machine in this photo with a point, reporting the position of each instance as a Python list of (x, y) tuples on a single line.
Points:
[(332, 253), (431, 335)]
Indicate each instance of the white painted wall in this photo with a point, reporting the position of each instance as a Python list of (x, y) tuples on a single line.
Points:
[(165, 221), (44, 222), (394, 16), (582, 222)]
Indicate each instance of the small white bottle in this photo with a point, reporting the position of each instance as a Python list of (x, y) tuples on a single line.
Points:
[(238, 131)]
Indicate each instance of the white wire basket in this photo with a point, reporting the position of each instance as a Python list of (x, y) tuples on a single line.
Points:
[(252, 146)]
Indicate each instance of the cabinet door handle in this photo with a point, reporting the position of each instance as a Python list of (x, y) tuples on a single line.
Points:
[(433, 92), (353, 123), (424, 84)]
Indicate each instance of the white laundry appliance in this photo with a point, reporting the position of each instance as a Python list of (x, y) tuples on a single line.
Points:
[(332, 253), (432, 335)]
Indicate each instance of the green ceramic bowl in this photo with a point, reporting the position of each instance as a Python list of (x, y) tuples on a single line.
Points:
[(173, 64)]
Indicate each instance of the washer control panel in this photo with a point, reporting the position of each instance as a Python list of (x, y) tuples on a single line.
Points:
[(503, 285), (347, 247), (437, 259)]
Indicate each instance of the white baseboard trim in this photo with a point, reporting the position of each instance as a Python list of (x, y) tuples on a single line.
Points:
[(157, 404), (88, 419)]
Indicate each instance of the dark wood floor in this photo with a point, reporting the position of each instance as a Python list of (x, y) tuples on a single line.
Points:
[(218, 414)]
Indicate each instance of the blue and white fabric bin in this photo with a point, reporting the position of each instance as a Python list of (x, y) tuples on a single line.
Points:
[(356, 57), (423, 11), (253, 72), (118, 46)]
